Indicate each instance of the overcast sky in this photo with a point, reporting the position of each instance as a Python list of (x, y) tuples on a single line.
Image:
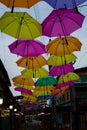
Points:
[(39, 12)]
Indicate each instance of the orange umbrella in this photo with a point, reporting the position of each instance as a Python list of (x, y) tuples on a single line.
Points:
[(19, 3), (32, 62), (23, 80), (63, 45)]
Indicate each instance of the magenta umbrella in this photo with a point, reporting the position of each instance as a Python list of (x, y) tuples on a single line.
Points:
[(62, 22), (27, 47), (71, 82), (61, 70), (23, 90)]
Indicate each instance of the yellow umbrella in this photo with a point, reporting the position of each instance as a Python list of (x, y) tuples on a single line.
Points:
[(32, 62), (22, 80), (35, 72), (68, 77), (41, 88), (41, 93), (64, 45), (60, 60)]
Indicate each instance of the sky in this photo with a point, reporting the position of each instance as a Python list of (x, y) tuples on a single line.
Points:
[(39, 12)]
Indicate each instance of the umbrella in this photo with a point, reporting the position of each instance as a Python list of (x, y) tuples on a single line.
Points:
[(41, 93), (19, 3), (60, 85), (22, 80), (64, 3), (32, 62), (23, 90), (61, 70), (23, 86), (34, 73), (45, 97), (64, 45), (46, 81), (20, 25), (27, 97), (59, 90), (26, 48), (62, 22), (40, 88), (60, 60), (68, 77)]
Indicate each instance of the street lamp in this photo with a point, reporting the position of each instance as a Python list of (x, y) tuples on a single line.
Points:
[(11, 116), (1, 102)]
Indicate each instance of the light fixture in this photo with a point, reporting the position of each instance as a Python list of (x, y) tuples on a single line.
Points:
[(11, 107), (1, 101)]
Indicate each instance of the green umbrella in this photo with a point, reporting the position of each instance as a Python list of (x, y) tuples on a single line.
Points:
[(34, 73), (46, 81), (20, 25)]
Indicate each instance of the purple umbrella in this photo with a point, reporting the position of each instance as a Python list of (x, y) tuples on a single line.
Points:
[(62, 22), (61, 70), (23, 90), (27, 48), (71, 82), (64, 3)]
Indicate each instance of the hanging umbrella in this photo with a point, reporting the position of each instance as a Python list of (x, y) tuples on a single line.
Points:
[(64, 45), (41, 88), (22, 80), (23, 86), (46, 81), (23, 90), (65, 83), (19, 3), (68, 77), (61, 60), (61, 70), (27, 97), (59, 90), (26, 48), (41, 93), (32, 62), (64, 3), (45, 97), (62, 22), (34, 73), (20, 25)]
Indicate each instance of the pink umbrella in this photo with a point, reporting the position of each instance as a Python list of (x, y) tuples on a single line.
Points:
[(23, 90), (62, 22), (61, 70), (71, 82), (27, 48)]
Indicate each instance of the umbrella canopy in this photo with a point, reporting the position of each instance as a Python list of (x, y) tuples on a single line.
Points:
[(27, 48), (23, 86), (63, 84), (61, 70), (22, 80), (64, 3), (32, 62), (61, 60), (68, 77), (19, 3), (46, 81), (34, 73), (20, 25), (41, 93), (45, 97), (27, 97), (64, 45), (62, 22), (41, 88), (59, 90), (23, 90)]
